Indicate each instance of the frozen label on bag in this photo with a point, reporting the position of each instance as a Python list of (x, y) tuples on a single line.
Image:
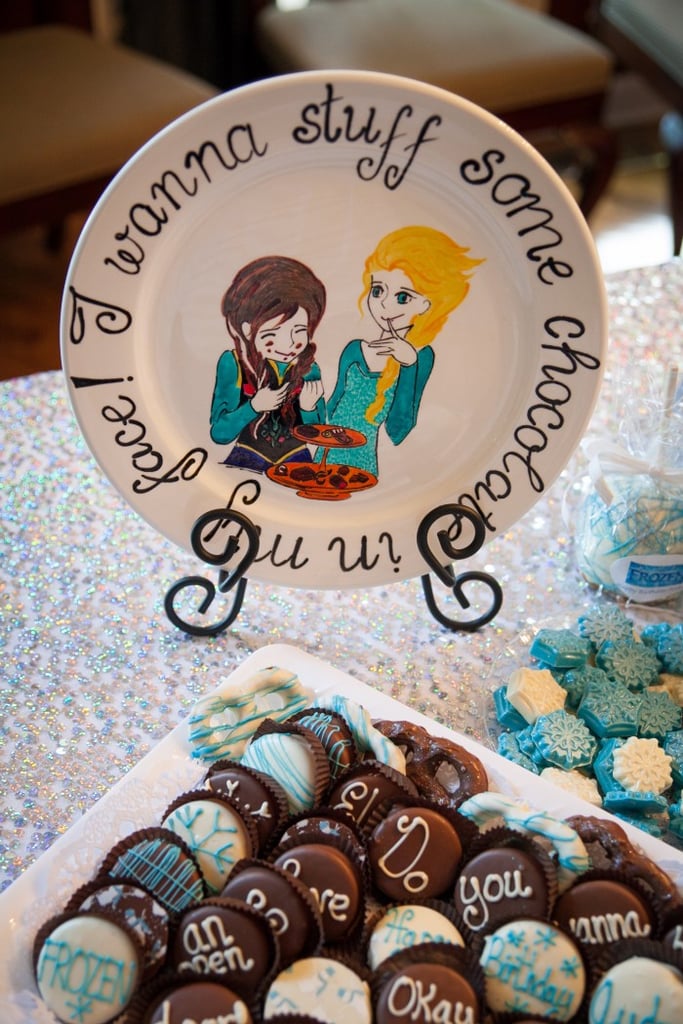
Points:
[(649, 578)]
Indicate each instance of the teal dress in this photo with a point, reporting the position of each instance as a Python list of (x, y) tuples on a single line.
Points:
[(354, 392), (233, 417)]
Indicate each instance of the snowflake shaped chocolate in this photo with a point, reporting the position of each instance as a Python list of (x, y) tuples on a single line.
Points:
[(534, 692), (609, 708), (603, 623), (670, 649), (632, 663), (642, 765), (560, 648), (574, 782), (658, 715), (564, 741), (673, 746)]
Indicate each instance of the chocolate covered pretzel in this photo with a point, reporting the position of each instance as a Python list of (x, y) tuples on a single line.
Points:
[(441, 769)]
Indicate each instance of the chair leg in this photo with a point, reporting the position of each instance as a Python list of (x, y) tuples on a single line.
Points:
[(54, 236), (602, 150), (671, 135)]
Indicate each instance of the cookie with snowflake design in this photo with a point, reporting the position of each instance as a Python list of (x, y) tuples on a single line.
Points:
[(642, 765), (658, 715), (533, 692), (605, 622), (609, 708), (670, 649), (217, 831), (564, 740), (560, 648), (632, 663)]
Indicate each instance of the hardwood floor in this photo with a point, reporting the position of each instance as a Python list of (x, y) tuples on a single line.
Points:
[(630, 226)]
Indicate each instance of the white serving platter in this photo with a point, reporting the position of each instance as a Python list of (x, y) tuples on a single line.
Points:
[(141, 796)]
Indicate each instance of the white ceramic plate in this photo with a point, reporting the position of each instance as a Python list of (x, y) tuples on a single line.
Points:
[(320, 168), (140, 798)]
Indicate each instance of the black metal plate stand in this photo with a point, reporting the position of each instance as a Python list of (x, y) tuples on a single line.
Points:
[(447, 534)]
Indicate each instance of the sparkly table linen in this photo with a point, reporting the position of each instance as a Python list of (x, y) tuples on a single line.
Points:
[(93, 672)]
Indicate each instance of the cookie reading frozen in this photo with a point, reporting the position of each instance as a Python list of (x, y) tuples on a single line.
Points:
[(87, 967)]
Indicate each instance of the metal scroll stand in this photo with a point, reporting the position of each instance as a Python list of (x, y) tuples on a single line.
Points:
[(442, 539)]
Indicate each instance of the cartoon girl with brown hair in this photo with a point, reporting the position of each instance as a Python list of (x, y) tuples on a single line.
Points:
[(269, 382), (412, 282)]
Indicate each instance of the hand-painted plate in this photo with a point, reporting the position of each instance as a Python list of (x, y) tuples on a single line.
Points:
[(338, 248)]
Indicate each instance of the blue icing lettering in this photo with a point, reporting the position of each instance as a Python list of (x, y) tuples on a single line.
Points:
[(517, 958), (86, 978)]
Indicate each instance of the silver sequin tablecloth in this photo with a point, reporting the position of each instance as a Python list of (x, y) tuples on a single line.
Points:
[(93, 672)]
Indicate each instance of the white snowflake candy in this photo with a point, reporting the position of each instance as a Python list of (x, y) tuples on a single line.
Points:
[(642, 765), (574, 782), (535, 692), (671, 684)]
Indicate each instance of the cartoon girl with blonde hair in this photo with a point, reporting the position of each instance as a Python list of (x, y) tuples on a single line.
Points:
[(412, 282)]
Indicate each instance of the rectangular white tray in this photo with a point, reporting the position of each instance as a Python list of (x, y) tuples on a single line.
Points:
[(140, 798)]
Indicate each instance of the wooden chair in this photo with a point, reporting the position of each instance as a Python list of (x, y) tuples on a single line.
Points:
[(73, 109), (541, 75), (648, 38)]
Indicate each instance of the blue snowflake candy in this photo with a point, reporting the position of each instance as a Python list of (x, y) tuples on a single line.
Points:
[(673, 746), (632, 663), (609, 708), (508, 716), (631, 802), (670, 649), (603, 764), (651, 633), (564, 740), (577, 679), (605, 622), (659, 714), (560, 648), (525, 742), (508, 747)]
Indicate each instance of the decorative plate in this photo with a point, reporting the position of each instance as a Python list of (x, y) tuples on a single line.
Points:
[(329, 250)]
